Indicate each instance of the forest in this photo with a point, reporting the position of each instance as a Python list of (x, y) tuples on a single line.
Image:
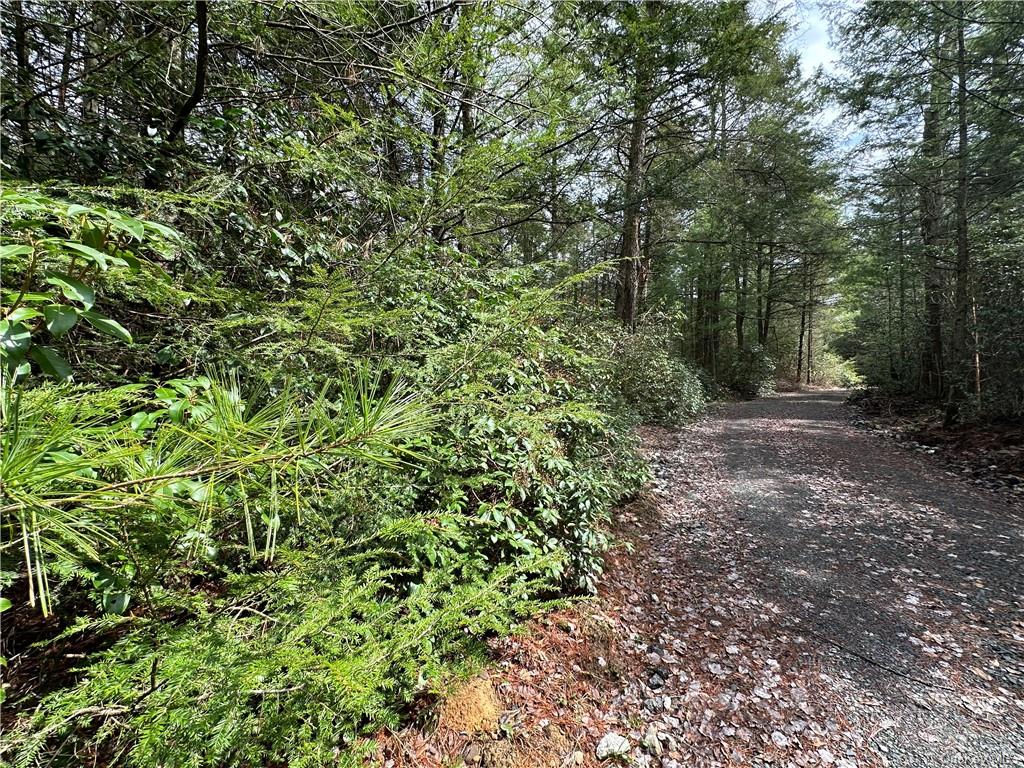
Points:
[(329, 327)]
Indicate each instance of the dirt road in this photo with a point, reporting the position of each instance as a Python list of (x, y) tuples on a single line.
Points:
[(898, 589)]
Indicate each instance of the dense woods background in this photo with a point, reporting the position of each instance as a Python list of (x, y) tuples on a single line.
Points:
[(326, 324)]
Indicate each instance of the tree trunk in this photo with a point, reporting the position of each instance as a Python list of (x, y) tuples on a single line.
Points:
[(961, 300), (765, 308), (977, 347), (65, 61), (810, 334), (184, 112), (554, 233), (710, 297), (644, 265), (803, 322), (759, 295), (902, 300), (740, 279), (933, 150), (810, 327), (889, 345), (800, 343), (94, 47), (24, 82), (628, 285), (176, 132), (438, 122)]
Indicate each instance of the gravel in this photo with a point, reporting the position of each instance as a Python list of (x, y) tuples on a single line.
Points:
[(898, 587)]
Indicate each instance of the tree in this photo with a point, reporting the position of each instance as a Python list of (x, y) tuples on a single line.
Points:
[(933, 62)]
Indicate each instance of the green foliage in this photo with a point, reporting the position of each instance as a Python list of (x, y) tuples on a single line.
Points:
[(926, 323), (524, 450), (352, 538), (647, 378), (55, 251), (752, 373), (831, 370), (96, 484), (292, 665), (364, 409)]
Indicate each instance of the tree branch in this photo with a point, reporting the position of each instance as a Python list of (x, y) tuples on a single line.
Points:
[(202, 54)]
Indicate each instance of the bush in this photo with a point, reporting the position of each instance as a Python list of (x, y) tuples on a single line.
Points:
[(752, 373), (831, 370), (281, 559), (286, 668), (526, 460), (645, 379)]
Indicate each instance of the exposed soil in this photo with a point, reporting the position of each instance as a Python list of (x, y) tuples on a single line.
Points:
[(473, 708), (800, 592)]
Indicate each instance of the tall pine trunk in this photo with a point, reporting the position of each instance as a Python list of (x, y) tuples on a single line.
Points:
[(803, 324), (958, 386), (628, 284), (740, 280), (24, 88), (933, 151)]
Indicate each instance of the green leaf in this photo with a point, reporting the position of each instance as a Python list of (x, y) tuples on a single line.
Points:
[(67, 457), (60, 318), (73, 289), (108, 326), (51, 363), (10, 251), (177, 411), (4, 604), (142, 420), (22, 313), (99, 258), (133, 227), (116, 602), (161, 230), (15, 339), (12, 296), (129, 260), (92, 236)]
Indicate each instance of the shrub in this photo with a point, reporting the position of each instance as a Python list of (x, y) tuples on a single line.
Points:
[(290, 667), (752, 373), (643, 376), (526, 459), (283, 558), (831, 370)]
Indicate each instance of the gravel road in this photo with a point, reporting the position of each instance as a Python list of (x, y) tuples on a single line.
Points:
[(903, 584)]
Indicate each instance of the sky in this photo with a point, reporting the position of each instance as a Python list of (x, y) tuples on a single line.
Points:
[(811, 37)]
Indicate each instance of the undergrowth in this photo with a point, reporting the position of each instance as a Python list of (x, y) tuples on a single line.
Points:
[(288, 546)]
